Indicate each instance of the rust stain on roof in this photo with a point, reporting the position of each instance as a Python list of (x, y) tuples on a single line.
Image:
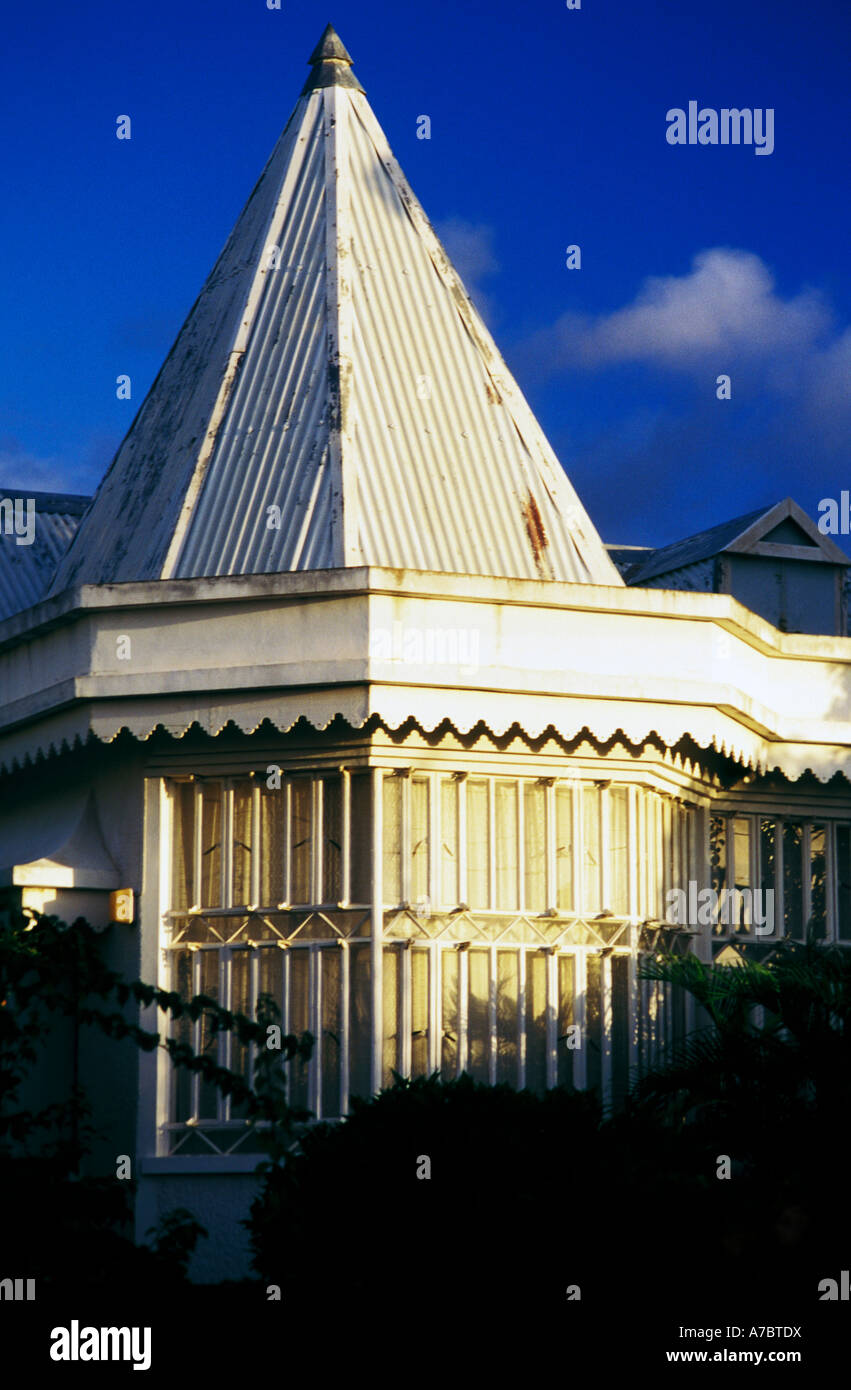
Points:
[(535, 530)]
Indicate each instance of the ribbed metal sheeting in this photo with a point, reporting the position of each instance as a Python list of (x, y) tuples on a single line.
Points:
[(272, 450), (26, 570), (448, 477), (139, 506)]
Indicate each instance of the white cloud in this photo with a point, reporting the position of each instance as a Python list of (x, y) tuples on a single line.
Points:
[(724, 315), (727, 304)]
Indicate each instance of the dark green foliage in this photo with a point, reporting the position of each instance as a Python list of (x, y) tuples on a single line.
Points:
[(528, 1195), (175, 1238), (60, 1225), (771, 1091)]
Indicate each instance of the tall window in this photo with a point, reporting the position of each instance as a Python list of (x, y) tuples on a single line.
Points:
[(619, 851), (271, 895), (564, 897), (591, 849), (508, 1015), (478, 845), (514, 846), (798, 871), (535, 847), (269, 898)]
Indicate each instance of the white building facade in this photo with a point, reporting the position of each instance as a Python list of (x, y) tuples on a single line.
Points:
[(337, 676)]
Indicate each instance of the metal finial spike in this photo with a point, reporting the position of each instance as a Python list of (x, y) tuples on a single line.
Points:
[(331, 64), (330, 46)]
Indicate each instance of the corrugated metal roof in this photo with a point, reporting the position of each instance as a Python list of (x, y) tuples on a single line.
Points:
[(26, 570), (693, 548), (732, 536), (351, 385)]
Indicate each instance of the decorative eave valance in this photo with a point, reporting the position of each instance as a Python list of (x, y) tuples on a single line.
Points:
[(438, 650)]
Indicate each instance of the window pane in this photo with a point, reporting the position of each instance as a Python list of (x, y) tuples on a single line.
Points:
[(739, 913), (450, 963), (477, 845), (767, 853), (564, 849), (593, 1040), (299, 1022), (649, 805), (392, 840), (240, 1003), (241, 895), (332, 840), (182, 1034), (419, 840), (392, 1011), (620, 1028), (843, 881), (270, 1009), (182, 844), (536, 1021), (271, 848), (679, 872), (693, 856), (668, 826), (360, 1042), (742, 852), (618, 851), (506, 845), (300, 839), (793, 910), (270, 981), (209, 1039), (478, 1024), (535, 847), (565, 1053), (211, 845), (449, 892), (361, 847), (332, 1027), (419, 1012), (818, 891), (507, 984), (660, 856), (767, 862), (718, 862), (591, 849)]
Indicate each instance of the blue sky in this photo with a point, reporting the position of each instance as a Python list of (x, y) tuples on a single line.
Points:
[(548, 129)]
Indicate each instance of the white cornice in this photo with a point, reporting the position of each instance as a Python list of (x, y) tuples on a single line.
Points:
[(365, 643)]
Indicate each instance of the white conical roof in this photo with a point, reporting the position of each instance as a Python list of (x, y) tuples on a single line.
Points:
[(334, 377)]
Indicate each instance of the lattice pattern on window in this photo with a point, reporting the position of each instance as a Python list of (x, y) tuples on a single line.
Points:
[(261, 879), (318, 987), (498, 895)]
